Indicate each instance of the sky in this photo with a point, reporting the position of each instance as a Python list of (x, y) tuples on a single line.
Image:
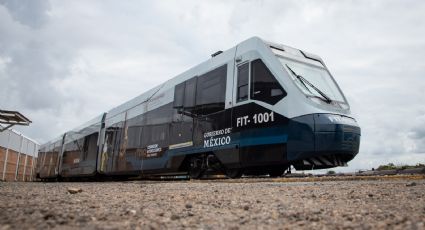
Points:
[(65, 62)]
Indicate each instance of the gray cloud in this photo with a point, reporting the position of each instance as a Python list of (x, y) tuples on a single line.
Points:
[(418, 132), (32, 13), (64, 62), (30, 67)]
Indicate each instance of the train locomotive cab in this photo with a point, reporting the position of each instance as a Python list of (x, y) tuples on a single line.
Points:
[(305, 118)]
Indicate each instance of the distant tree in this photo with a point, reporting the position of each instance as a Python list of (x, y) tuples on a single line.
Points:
[(389, 166), (331, 172)]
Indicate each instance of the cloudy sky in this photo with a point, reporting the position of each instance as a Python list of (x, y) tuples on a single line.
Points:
[(64, 62)]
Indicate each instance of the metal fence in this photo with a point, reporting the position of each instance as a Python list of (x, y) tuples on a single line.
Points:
[(18, 156)]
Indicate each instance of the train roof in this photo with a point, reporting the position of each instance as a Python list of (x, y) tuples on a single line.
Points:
[(47, 145), (199, 69), (158, 91), (249, 44)]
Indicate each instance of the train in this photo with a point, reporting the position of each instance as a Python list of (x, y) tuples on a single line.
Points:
[(259, 108)]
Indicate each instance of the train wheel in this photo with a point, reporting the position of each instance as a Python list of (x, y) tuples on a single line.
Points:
[(196, 168), (234, 173)]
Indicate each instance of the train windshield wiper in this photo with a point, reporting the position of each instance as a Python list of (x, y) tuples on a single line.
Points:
[(305, 81)]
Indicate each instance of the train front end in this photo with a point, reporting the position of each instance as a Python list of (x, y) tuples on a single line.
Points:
[(322, 132), (322, 140)]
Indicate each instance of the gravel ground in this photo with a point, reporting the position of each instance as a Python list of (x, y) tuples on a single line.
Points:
[(219, 204)]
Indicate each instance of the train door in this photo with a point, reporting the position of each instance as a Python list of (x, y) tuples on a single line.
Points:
[(112, 142), (237, 99), (107, 150), (181, 134), (120, 157), (241, 88), (60, 159), (256, 90), (102, 147), (210, 107)]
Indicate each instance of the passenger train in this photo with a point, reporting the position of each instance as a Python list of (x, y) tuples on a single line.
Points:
[(257, 108)]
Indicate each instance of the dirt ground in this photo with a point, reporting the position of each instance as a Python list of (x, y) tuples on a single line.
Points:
[(214, 204)]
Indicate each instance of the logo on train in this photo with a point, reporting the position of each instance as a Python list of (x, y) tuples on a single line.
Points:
[(211, 139), (153, 150)]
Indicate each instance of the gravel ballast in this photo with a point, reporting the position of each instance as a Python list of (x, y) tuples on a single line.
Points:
[(214, 204)]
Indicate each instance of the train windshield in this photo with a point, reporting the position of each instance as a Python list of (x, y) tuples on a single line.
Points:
[(313, 80)]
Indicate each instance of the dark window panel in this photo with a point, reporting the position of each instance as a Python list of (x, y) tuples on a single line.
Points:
[(160, 135), (179, 95), (116, 131), (155, 134), (133, 135), (243, 93), (160, 115), (181, 132), (86, 147), (92, 147), (243, 74), (190, 93), (147, 132), (139, 120), (264, 86), (211, 91)]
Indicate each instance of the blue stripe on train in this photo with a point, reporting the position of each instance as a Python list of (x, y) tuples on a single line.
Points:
[(264, 136), (264, 140), (261, 136)]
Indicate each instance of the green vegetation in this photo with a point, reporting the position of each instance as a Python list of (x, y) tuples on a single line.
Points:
[(331, 172), (391, 166)]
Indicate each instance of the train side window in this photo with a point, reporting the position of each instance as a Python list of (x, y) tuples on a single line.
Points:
[(190, 94), (243, 75), (133, 134), (86, 147), (159, 115), (92, 147), (155, 134), (185, 96), (179, 95), (264, 86), (211, 91), (159, 135)]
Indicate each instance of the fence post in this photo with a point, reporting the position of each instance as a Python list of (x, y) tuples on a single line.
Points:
[(32, 162), (25, 163), (7, 154), (19, 158)]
